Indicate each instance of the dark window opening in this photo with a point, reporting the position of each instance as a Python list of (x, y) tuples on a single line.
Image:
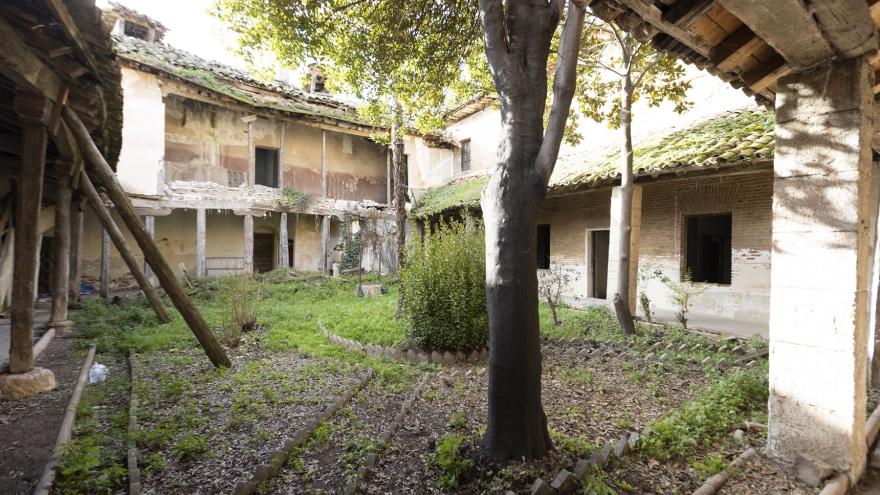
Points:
[(136, 31), (708, 248), (266, 167), (465, 155), (264, 252), (543, 247)]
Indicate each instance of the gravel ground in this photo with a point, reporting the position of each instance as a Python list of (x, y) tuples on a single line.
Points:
[(217, 426)]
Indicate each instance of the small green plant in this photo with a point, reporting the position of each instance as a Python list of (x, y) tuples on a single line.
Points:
[(82, 470), (646, 273), (576, 376), (458, 420), (293, 199), (153, 462), (681, 294), (444, 289), (448, 457), (189, 446), (551, 284), (352, 243), (713, 464)]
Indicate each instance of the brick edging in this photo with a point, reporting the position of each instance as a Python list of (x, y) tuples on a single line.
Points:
[(134, 474), (409, 356), (568, 482), (264, 472), (364, 471), (718, 480)]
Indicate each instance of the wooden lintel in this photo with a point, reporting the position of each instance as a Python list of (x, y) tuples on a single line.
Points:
[(252, 212), (153, 212), (652, 15), (249, 118), (685, 12), (73, 32)]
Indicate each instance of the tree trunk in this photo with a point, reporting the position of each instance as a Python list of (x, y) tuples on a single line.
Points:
[(399, 197), (517, 41), (621, 298)]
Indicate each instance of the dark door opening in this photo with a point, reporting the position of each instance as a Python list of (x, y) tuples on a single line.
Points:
[(599, 240), (47, 265), (266, 163), (708, 249), (290, 252), (543, 247), (264, 252)]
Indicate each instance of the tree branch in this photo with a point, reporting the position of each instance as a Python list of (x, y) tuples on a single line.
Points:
[(645, 71), (564, 84), (495, 35)]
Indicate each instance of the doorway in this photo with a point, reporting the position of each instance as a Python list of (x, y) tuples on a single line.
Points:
[(264, 252), (599, 240)]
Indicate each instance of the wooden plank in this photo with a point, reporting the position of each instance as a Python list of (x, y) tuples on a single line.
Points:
[(104, 284), (733, 49), (77, 219), (61, 262), (652, 15), (19, 63), (766, 74), (683, 13), (786, 25), (60, 10), (99, 166)]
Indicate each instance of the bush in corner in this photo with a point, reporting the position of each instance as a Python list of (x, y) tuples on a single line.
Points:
[(444, 289)]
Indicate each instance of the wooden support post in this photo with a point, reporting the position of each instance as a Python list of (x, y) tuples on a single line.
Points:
[(249, 243), (104, 288), (77, 219), (34, 113), (282, 241), (110, 231), (201, 244), (61, 268), (281, 156), (252, 153), (324, 164), (150, 226), (99, 166)]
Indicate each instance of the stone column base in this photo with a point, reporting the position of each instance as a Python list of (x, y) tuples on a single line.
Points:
[(21, 385)]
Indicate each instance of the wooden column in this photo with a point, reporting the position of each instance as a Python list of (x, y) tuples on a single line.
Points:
[(34, 113), (282, 241), (109, 231), (252, 156), (77, 218), (281, 157), (101, 169), (150, 227), (61, 268), (249, 243), (323, 164), (104, 288), (201, 244)]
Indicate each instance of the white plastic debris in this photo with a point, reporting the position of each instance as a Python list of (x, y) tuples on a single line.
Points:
[(97, 373)]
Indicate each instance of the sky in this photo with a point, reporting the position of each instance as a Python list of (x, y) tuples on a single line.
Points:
[(190, 27)]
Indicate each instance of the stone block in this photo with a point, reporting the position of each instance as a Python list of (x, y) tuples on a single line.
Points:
[(540, 487), (633, 440), (739, 436), (411, 356), (244, 488), (371, 290), (363, 473), (17, 386), (582, 469), (621, 446), (448, 358), (565, 483), (263, 472), (484, 354), (605, 453), (371, 460), (811, 471), (436, 357)]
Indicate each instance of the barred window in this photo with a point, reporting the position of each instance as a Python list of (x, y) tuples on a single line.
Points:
[(465, 155)]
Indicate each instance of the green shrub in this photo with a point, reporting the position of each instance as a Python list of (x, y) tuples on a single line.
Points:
[(444, 289)]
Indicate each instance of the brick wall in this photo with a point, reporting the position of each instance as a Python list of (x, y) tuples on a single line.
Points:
[(664, 206)]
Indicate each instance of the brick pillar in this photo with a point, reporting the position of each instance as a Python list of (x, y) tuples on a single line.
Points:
[(201, 244), (613, 241), (820, 274), (249, 243)]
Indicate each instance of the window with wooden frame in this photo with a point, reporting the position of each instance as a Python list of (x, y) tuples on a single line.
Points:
[(465, 155)]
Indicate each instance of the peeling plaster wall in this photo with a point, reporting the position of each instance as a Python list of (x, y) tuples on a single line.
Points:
[(356, 168), (429, 166), (140, 167)]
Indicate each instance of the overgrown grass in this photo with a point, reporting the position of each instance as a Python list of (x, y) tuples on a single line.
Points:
[(710, 415)]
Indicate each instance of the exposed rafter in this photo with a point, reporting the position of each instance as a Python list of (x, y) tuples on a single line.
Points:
[(685, 12), (60, 10), (652, 15)]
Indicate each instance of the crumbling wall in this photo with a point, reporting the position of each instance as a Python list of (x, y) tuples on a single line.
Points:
[(302, 158), (356, 168), (140, 166)]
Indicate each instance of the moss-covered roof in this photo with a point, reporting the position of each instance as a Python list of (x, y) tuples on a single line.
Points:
[(464, 194), (737, 137), (233, 83)]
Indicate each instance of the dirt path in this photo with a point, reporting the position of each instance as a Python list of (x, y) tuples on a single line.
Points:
[(28, 427)]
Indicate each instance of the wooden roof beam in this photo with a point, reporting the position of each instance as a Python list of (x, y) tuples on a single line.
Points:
[(807, 37), (60, 10), (766, 74), (685, 12), (652, 15), (733, 45), (22, 66)]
